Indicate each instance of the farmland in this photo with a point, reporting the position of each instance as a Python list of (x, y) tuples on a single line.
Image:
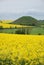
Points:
[(12, 28), (25, 49), (22, 42), (24, 25)]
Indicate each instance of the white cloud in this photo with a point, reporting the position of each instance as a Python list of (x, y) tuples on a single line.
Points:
[(21, 6), (17, 6)]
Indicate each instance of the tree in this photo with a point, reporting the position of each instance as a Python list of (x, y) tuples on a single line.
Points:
[(19, 31)]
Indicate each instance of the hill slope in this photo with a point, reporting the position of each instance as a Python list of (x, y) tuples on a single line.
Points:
[(26, 20), (41, 22)]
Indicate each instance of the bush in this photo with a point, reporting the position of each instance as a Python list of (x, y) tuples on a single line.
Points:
[(39, 33), (33, 24), (1, 27)]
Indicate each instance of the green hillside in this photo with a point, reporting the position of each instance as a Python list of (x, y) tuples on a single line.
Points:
[(26, 20), (41, 22)]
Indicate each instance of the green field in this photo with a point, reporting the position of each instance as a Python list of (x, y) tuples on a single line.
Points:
[(37, 30), (32, 30)]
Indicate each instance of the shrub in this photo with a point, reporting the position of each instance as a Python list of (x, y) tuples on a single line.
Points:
[(1, 27), (33, 24), (15, 27), (39, 33)]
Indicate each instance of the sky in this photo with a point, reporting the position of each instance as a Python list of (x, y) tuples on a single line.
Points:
[(13, 9)]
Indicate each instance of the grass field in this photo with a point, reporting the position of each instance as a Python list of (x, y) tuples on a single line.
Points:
[(37, 30), (21, 49)]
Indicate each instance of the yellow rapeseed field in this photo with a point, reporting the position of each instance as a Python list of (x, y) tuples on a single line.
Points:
[(6, 25), (7, 21), (22, 46)]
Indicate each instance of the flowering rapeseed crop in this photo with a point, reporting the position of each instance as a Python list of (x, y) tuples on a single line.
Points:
[(29, 47), (6, 25)]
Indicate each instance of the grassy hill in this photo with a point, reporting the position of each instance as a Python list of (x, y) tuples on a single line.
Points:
[(26, 20), (41, 22)]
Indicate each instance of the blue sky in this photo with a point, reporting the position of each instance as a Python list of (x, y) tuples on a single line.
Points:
[(13, 9)]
